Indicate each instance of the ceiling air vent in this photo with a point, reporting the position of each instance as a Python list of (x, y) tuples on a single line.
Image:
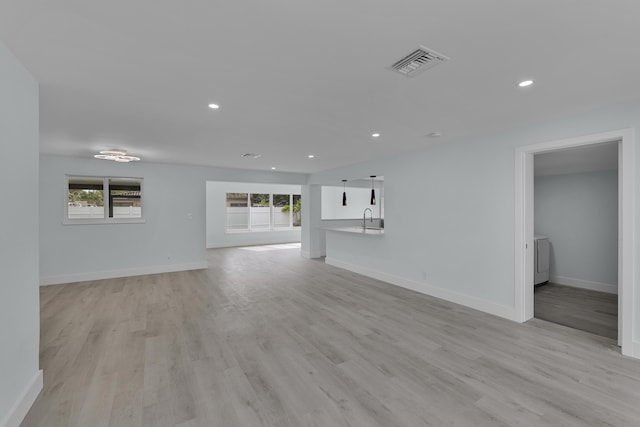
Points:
[(417, 61)]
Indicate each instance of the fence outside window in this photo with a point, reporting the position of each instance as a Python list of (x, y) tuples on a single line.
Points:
[(261, 211)]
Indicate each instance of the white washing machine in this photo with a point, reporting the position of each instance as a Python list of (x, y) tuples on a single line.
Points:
[(540, 259)]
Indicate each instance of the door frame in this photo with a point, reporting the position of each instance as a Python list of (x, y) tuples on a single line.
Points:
[(524, 177)]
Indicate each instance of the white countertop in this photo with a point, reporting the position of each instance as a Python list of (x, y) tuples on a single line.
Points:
[(357, 230)]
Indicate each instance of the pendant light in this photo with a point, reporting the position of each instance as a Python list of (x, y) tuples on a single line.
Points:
[(344, 192), (373, 191)]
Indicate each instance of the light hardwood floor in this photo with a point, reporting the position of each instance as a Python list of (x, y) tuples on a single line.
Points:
[(589, 311), (273, 339)]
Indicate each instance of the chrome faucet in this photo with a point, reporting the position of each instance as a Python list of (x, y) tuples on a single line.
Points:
[(364, 217)]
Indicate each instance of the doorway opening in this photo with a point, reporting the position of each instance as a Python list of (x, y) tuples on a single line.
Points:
[(524, 227), (575, 247)]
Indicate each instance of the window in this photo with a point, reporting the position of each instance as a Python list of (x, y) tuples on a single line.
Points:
[(93, 199), (281, 219), (124, 198), (296, 211), (262, 211), (237, 211), (85, 198)]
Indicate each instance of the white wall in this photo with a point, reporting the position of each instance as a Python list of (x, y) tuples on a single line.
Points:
[(449, 210), (20, 379), (217, 236), (172, 238), (579, 214), (312, 233)]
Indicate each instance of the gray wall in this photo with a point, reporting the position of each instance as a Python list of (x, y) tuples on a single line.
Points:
[(170, 239), (217, 236), (449, 209), (579, 214), (19, 298)]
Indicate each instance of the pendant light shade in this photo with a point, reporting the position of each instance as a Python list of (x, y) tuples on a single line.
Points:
[(344, 192), (373, 191)]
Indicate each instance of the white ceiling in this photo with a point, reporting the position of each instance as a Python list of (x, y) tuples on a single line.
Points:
[(309, 77), (590, 158)]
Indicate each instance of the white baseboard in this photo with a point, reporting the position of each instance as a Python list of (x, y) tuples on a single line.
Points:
[(112, 274), (216, 245), (584, 284), (632, 351), (24, 403), (636, 350), (312, 254), (434, 291)]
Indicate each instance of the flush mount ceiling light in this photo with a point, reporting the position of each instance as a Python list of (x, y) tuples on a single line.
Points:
[(375, 135), (525, 83), (116, 154), (273, 168), (311, 156), (214, 106)]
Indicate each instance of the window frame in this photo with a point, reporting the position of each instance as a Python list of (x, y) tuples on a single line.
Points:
[(105, 192), (272, 227)]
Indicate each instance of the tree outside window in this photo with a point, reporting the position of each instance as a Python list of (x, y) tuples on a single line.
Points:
[(296, 211)]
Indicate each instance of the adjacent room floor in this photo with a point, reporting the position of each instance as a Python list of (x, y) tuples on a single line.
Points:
[(583, 309), (273, 339)]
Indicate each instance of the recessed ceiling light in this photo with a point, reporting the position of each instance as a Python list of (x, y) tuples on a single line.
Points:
[(525, 83), (273, 168), (375, 135), (311, 156), (214, 106)]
